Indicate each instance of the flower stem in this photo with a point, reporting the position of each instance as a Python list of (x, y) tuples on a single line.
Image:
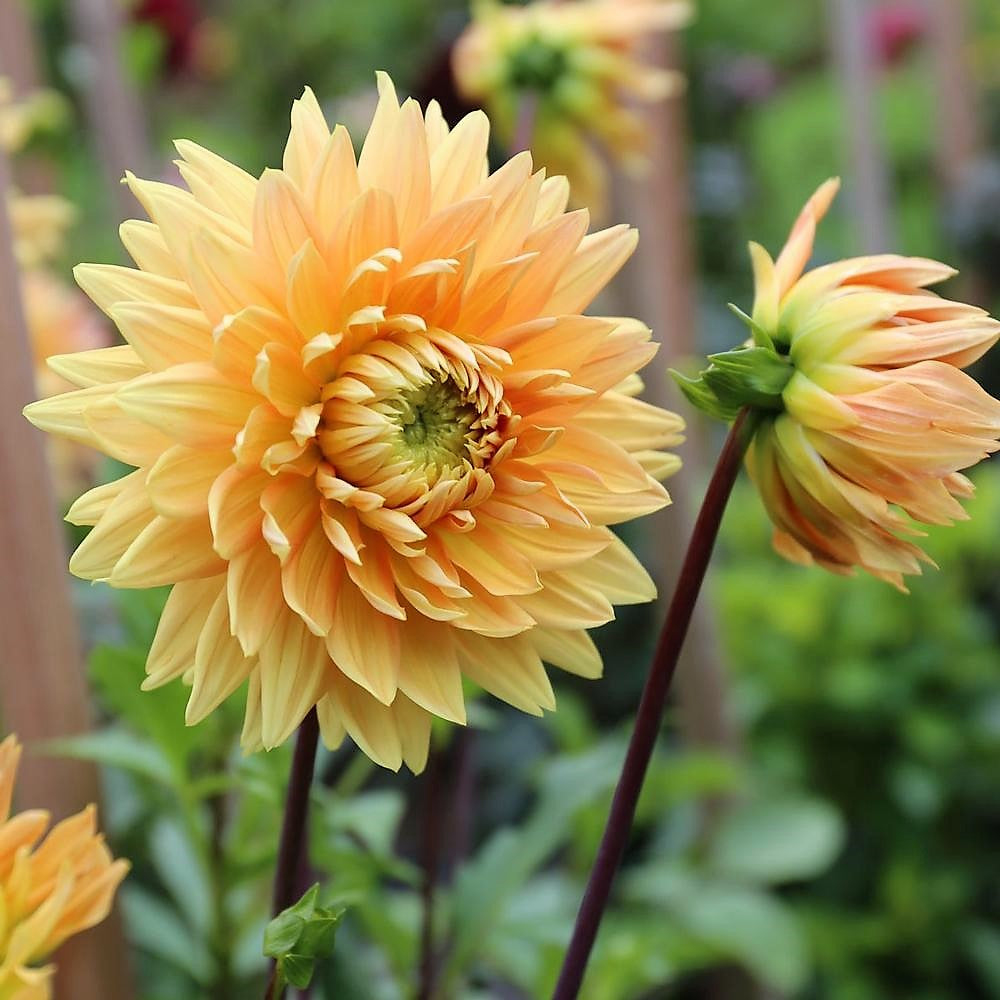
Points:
[(293, 828), (650, 713), (433, 816), (524, 127)]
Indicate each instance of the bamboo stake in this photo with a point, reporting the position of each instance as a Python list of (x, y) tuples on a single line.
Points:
[(17, 48), (868, 187), (113, 112), (42, 688), (19, 64)]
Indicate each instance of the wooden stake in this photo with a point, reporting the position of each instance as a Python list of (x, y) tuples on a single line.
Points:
[(43, 693), (19, 64), (867, 174), (113, 112), (957, 123)]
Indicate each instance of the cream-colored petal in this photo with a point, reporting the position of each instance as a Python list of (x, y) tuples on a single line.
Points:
[(184, 615), (121, 523), (168, 550), (163, 335), (598, 259), (219, 664), (306, 140), (217, 183), (180, 480), (98, 367), (192, 403)]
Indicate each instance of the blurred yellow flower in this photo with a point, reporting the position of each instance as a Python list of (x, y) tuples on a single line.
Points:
[(21, 118), (60, 320), (48, 892), (377, 445), (39, 222), (579, 63), (878, 418)]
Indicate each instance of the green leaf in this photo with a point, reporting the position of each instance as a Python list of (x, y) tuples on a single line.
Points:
[(180, 868), (487, 883), (114, 747), (751, 927), (780, 840), (297, 970), (156, 928)]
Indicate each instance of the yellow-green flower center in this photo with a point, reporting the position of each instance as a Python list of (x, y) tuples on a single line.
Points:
[(434, 424)]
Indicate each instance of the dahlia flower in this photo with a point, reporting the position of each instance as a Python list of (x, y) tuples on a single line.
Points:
[(377, 445), (581, 65), (873, 419), (48, 892)]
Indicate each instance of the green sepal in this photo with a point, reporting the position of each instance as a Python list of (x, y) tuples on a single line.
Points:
[(700, 395), (747, 376), (300, 936), (760, 336)]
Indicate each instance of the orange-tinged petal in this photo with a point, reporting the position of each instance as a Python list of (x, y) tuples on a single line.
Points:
[(364, 645)]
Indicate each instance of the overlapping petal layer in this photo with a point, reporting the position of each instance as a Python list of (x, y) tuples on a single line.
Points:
[(377, 445), (879, 419), (581, 67), (49, 889)]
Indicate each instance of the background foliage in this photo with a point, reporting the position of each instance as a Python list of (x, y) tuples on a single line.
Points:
[(848, 854)]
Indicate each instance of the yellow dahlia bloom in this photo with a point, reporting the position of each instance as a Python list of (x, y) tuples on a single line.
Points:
[(581, 65), (877, 418), (49, 890), (377, 445)]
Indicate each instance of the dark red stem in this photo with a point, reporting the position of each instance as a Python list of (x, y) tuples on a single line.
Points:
[(293, 829), (650, 714)]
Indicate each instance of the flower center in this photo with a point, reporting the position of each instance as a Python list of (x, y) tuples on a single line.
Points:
[(435, 424)]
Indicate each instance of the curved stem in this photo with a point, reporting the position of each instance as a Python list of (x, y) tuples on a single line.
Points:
[(650, 712), (293, 828)]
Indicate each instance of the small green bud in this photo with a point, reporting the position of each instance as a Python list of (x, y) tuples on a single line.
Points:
[(299, 937)]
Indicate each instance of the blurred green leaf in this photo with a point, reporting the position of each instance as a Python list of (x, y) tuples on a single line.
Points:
[(751, 927), (156, 927), (777, 840), (179, 865), (115, 747)]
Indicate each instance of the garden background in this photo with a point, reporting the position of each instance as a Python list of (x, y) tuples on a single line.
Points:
[(822, 817)]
